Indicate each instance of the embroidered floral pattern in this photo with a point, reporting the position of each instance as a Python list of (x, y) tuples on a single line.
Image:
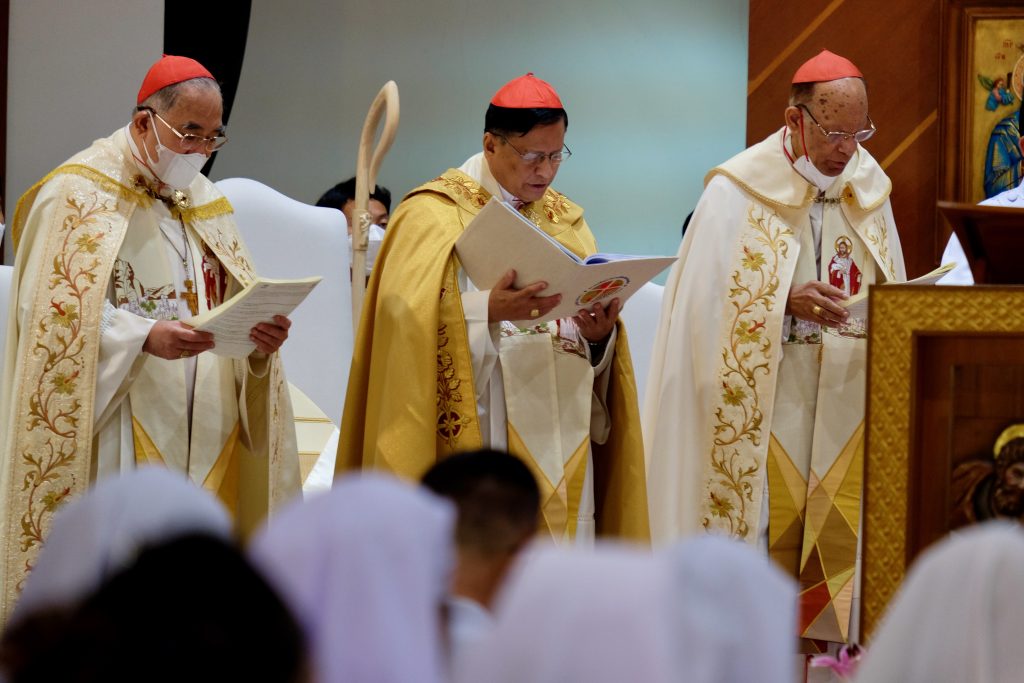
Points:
[(555, 205), (879, 237), (746, 360), (53, 406), (465, 188), (229, 249), (450, 423)]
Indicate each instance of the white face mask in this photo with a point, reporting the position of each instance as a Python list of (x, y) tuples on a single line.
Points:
[(374, 238), (808, 170), (805, 167), (171, 168)]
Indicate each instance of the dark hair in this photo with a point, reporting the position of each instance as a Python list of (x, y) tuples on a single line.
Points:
[(800, 93), (1011, 453), (518, 122), (496, 496), (190, 609), (336, 197)]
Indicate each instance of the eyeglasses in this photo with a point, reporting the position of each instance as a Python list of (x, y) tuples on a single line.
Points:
[(193, 142), (535, 158), (835, 137)]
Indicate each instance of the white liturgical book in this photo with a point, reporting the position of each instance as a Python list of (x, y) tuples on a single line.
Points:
[(857, 304), (500, 239), (259, 302)]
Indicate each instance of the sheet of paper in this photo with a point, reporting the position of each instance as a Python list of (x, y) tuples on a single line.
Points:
[(231, 322), (858, 305)]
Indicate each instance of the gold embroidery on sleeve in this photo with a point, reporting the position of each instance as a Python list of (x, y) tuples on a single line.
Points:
[(467, 189), (450, 422), (555, 205)]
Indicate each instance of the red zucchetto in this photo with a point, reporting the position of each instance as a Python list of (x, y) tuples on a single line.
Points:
[(169, 70), (527, 92), (826, 66)]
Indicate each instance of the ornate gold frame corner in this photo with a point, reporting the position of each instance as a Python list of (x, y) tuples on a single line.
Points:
[(897, 314)]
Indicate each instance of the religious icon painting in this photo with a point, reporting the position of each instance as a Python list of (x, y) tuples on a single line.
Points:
[(990, 485), (605, 289), (984, 60), (1003, 51)]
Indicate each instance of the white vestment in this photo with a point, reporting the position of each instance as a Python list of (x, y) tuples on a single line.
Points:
[(490, 349), (741, 398), (99, 258)]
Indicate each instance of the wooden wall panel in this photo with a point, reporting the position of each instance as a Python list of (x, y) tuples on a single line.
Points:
[(896, 45)]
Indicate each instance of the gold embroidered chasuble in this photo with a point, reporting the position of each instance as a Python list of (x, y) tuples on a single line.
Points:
[(744, 401), (70, 231), (411, 397)]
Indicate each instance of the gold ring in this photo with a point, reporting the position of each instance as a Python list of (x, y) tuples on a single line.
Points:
[(535, 313), (185, 354), (816, 310)]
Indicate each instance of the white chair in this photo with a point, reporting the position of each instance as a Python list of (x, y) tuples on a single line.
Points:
[(289, 239), (641, 315)]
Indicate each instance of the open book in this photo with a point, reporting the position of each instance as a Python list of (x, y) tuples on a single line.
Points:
[(500, 239), (857, 304), (259, 302)]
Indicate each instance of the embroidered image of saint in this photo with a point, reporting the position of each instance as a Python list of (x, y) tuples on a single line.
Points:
[(843, 272), (215, 279)]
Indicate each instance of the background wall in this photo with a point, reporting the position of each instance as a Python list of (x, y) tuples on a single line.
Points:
[(654, 91), (74, 69), (896, 46)]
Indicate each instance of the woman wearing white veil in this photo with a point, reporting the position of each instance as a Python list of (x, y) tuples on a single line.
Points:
[(734, 612), (96, 535), (365, 569), (958, 615), (572, 615)]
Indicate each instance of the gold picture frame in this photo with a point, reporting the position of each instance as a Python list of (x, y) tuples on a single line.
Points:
[(900, 317)]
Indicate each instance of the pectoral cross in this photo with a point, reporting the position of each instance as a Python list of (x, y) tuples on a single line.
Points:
[(191, 297)]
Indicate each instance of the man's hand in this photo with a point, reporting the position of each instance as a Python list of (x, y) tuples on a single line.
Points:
[(815, 301), (597, 323), (173, 339), (270, 336), (508, 303)]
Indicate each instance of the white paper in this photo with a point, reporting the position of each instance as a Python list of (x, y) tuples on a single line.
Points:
[(500, 239), (858, 305), (232, 321)]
